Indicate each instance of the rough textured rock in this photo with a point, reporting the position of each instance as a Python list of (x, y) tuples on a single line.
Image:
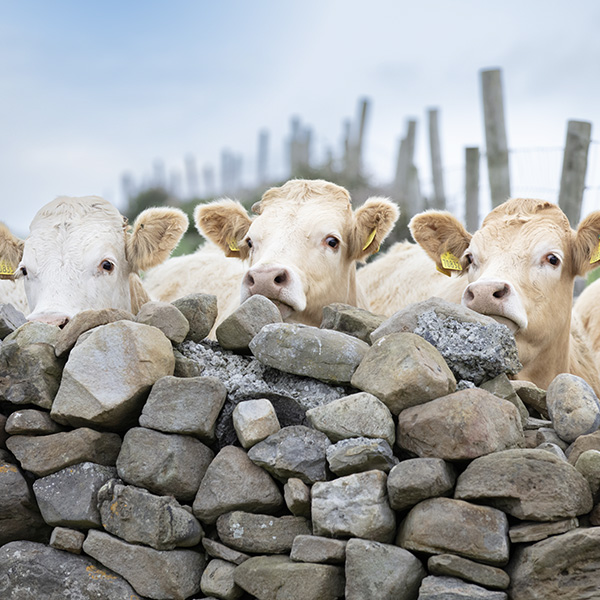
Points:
[(456, 566), (573, 407), (293, 452), (255, 420), (382, 571), (320, 353), (184, 405), (532, 396), (69, 540), (34, 332), (163, 463), (10, 319), (137, 516), (166, 317), (30, 570), (588, 464), (30, 422), (360, 454), (317, 549), (351, 320), (450, 588), (46, 454), (217, 579), (357, 415), (233, 482), (501, 386), (463, 425), (218, 550), (297, 497), (200, 310), (527, 484), (175, 573), (528, 532), (109, 374), (581, 444), (447, 526), (403, 370), (353, 506), (278, 578), (548, 435)]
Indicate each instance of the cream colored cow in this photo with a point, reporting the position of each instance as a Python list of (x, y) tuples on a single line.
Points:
[(81, 255), (300, 250)]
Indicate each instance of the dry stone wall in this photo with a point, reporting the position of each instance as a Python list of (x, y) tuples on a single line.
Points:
[(369, 458)]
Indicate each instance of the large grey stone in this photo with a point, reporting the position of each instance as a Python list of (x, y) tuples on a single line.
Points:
[(360, 454), (166, 317), (529, 484), (200, 310), (10, 319), (109, 374), (319, 353), (451, 588), (348, 319), (318, 549)]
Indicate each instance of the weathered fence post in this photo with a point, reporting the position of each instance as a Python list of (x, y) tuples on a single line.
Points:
[(262, 163), (472, 189), (403, 168), (572, 179), (495, 136), (439, 196)]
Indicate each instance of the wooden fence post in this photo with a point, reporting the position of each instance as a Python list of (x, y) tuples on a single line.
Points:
[(572, 179), (403, 167), (472, 189), (495, 136), (439, 196), (262, 163)]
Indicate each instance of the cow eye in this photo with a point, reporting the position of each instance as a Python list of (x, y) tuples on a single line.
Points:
[(23, 271), (332, 241), (469, 258), (553, 260), (249, 243), (107, 266)]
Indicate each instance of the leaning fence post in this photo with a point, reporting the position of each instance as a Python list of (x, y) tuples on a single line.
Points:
[(472, 189), (439, 197)]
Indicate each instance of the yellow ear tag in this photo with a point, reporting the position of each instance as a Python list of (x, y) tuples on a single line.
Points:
[(596, 255), (370, 239), (6, 271), (233, 246), (450, 262)]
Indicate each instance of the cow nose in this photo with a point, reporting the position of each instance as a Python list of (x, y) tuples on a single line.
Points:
[(57, 319), (487, 296), (267, 280)]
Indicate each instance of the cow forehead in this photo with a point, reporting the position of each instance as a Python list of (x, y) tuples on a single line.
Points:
[(76, 210)]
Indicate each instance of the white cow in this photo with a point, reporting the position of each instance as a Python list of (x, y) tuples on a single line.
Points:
[(300, 250), (80, 254)]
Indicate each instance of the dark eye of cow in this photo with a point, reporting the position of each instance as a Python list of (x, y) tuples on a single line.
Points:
[(107, 266), (249, 243), (24, 271), (553, 260), (332, 241), (469, 258)]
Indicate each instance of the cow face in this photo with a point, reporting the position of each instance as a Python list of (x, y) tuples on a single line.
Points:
[(520, 266), (79, 255), (301, 249)]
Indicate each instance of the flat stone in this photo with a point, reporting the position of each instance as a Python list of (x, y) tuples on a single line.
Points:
[(166, 317), (456, 566), (360, 454), (255, 420), (69, 540), (527, 532), (549, 435), (450, 588), (351, 320), (30, 422), (10, 319), (297, 497), (200, 310), (532, 396), (317, 549), (217, 579), (501, 386), (218, 550)]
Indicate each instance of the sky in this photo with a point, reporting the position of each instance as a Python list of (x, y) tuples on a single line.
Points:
[(90, 90)]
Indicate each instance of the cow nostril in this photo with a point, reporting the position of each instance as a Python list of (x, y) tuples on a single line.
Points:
[(249, 279), (65, 321), (281, 278), (469, 296), (503, 291)]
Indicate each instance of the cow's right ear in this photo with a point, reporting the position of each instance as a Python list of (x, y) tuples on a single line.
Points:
[(11, 248), (225, 223), (439, 232), (373, 221), (586, 248)]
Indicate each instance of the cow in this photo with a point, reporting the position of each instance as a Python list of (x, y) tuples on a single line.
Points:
[(81, 254), (300, 250), (520, 268), (586, 311)]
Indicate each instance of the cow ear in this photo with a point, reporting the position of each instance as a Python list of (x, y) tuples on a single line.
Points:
[(11, 248), (373, 221), (225, 223), (154, 235), (438, 232), (586, 249)]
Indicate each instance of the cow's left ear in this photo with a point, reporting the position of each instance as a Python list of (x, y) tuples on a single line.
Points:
[(11, 247), (586, 249), (154, 235), (373, 221)]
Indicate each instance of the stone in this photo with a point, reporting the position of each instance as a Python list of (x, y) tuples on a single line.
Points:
[(255, 420), (417, 479), (176, 574), (317, 549), (163, 463), (278, 578), (532, 396), (139, 517), (10, 319), (573, 407), (238, 329), (451, 588), (323, 354), (450, 565), (588, 464), (217, 579), (527, 532), (34, 332), (218, 550), (447, 526), (403, 370), (166, 317), (351, 320), (353, 506), (293, 452), (109, 374), (297, 497), (233, 482), (67, 498), (549, 435), (460, 426), (185, 405), (528, 484), (581, 444), (20, 518), (562, 566), (46, 454), (30, 422), (360, 454), (382, 571), (357, 415), (30, 570), (501, 386), (260, 534), (200, 310), (69, 540), (553, 449), (84, 321), (3, 433)]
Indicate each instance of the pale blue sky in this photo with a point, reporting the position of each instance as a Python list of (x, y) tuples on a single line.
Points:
[(91, 89)]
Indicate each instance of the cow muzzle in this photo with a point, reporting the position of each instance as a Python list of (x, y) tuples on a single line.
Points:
[(58, 319), (497, 299)]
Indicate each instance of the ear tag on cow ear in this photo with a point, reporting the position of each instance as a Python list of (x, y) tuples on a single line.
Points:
[(596, 255), (233, 246), (370, 240), (6, 271), (450, 262)]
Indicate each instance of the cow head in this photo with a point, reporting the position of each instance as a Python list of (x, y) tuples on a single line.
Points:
[(81, 255), (301, 248), (520, 266)]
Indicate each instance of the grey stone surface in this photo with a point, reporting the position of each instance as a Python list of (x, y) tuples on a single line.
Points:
[(360, 454), (502, 387), (255, 420), (317, 549), (549, 435), (588, 464), (34, 332), (581, 444), (323, 354), (532, 396), (451, 588), (527, 531), (218, 550), (69, 540), (200, 310), (166, 317), (31, 422), (297, 497), (351, 320), (217, 579), (10, 319), (450, 565)]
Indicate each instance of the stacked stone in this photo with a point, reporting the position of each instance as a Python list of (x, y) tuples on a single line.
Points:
[(366, 459)]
